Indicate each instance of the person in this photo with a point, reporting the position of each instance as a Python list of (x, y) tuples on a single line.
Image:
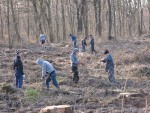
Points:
[(84, 44), (74, 40), (74, 65), (108, 59), (92, 44), (48, 69), (43, 39), (18, 67)]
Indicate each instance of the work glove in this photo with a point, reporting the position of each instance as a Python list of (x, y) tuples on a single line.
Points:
[(24, 76)]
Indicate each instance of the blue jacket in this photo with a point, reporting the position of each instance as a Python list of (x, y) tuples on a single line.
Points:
[(73, 58), (42, 37), (73, 38), (47, 68), (109, 62), (84, 42)]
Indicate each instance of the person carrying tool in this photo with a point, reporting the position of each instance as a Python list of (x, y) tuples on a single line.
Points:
[(49, 71)]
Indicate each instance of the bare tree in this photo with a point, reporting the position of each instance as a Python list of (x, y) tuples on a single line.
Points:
[(1, 20), (15, 21), (63, 20), (8, 24), (110, 19)]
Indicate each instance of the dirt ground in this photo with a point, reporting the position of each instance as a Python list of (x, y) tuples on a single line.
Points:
[(93, 94)]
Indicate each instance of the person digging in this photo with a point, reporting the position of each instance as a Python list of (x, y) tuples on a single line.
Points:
[(48, 69)]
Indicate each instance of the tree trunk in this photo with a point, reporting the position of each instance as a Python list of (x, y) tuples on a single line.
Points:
[(149, 20), (79, 18), (95, 11), (139, 15), (57, 22), (1, 20), (15, 21), (28, 20), (37, 20), (114, 11), (110, 20), (80, 12), (63, 21), (8, 25), (85, 17), (49, 21), (141, 22), (99, 19)]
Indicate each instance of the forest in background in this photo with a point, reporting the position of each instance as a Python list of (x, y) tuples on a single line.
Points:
[(24, 20)]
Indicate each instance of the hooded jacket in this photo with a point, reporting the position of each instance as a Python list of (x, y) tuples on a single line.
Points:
[(47, 68), (42, 37), (73, 58)]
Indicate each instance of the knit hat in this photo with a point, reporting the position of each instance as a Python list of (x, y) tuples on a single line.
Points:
[(106, 51)]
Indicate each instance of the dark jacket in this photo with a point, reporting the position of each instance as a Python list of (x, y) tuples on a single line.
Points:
[(18, 65), (84, 42), (92, 41)]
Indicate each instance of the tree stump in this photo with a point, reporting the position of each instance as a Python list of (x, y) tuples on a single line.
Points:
[(57, 109)]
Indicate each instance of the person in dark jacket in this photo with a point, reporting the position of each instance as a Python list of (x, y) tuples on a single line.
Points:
[(92, 44), (109, 66), (84, 44), (18, 67), (74, 40)]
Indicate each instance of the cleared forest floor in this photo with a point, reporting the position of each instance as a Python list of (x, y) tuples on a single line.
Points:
[(93, 94)]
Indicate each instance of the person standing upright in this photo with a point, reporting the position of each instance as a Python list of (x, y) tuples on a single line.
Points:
[(84, 44), (74, 40), (74, 65), (18, 67), (92, 44)]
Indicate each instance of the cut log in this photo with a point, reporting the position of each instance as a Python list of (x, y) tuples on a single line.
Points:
[(131, 95), (57, 109)]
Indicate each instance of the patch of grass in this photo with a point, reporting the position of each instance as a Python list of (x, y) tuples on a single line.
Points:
[(8, 89), (31, 93), (60, 78)]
